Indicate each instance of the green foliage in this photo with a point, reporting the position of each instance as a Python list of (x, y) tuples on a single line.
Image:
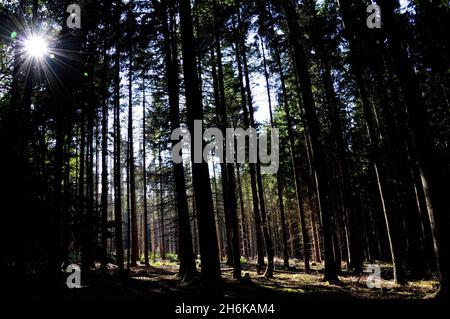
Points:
[(172, 257)]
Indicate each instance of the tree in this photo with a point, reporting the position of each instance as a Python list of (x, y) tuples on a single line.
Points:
[(301, 68), (187, 259), (387, 205), (227, 171), (363, 118), (210, 275), (433, 171), (144, 174), (117, 148)]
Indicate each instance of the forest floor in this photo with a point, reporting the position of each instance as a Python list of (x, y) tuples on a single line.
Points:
[(157, 289), (159, 280)]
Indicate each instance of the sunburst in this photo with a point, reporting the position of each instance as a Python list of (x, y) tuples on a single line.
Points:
[(39, 53), (36, 46)]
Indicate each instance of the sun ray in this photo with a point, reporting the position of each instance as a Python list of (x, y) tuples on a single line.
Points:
[(36, 46)]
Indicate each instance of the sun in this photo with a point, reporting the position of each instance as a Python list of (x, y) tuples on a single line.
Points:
[(36, 46)]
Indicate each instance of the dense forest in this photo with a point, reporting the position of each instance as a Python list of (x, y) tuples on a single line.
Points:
[(91, 91)]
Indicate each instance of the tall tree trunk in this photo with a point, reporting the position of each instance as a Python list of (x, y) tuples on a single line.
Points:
[(117, 141), (144, 172), (433, 170), (267, 28), (244, 234), (217, 216), (255, 200), (386, 204), (301, 67), (356, 257), (187, 268), (162, 223), (88, 261), (81, 189), (401, 162), (279, 183), (223, 172), (294, 159), (134, 225), (265, 227), (210, 275), (228, 179), (104, 200), (128, 222)]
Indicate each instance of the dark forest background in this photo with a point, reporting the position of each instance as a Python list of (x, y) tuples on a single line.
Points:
[(364, 119)]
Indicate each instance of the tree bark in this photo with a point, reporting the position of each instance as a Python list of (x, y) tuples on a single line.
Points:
[(278, 177), (144, 173), (134, 223), (117, 141), (255, 199), (390, 218), (433, 170), (210, 275), (301, 67), (187, 268), (228, 179)]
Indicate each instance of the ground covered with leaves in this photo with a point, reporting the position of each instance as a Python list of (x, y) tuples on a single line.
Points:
[(159, 280)]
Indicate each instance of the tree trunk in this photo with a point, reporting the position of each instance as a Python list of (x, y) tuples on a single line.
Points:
[(244, 234), (433, 169), (265, 227), (228, 179), (279, 183), (301, 67), (256, 211), (144, 173), (386, 204), (118, 163), (223, 172), (104, 196), (210, 275), (134, 225), (187, 268), (162, 223)]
